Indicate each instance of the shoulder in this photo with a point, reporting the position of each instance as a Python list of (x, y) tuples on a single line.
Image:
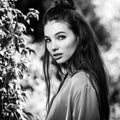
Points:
[(80, 78), (81, 87), (80, 81)]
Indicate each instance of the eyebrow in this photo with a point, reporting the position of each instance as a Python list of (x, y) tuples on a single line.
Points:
[(46, 37), (59, 33), (55, 34)]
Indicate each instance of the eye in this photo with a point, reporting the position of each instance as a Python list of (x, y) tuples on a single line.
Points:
[(61, 37), (47, 40)]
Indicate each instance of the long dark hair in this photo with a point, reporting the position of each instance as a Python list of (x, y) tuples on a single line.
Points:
[(86, 57)]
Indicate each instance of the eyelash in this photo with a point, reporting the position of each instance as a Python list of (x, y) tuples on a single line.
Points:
[(61, 37), (47, 40)]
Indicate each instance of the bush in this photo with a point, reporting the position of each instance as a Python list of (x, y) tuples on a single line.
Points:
[(14, 58)]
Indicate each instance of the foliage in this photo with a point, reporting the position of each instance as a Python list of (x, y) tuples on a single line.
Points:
[(14, 59)]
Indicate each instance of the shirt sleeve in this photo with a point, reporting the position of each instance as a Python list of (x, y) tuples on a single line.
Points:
[(85, 105)]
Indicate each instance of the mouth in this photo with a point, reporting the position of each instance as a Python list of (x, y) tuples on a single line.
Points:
[(57, 56)]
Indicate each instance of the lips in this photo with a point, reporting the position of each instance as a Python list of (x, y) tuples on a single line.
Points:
[(57, 55)]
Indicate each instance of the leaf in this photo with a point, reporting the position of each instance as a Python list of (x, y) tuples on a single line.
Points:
[(22, 45), (16, 44), (22, 67), (6, 41), (24, 52), (29, 115), (12, 62), (2, 34), (20, 74), (30, 50), (21, 27), (19, 14), (10, 75), (11, 107)]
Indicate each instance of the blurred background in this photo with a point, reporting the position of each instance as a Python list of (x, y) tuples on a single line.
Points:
[(104, 17)]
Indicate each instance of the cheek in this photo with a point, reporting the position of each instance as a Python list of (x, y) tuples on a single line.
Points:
[(71, 47), (48, 46)]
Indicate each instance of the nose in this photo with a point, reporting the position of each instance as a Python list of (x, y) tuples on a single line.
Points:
[(54, 46)]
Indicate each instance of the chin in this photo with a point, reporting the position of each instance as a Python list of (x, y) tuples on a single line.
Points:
[(60, 61)]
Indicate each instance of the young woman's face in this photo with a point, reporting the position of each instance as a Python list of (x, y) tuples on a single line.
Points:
[(60, 40)]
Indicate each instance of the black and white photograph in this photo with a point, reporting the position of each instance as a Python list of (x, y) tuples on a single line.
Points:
[(59, 59)]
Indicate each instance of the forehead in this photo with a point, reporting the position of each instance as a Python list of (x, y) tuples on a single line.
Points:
[(53, 27)]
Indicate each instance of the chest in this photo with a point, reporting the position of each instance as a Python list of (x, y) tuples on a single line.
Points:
[(61, 105)]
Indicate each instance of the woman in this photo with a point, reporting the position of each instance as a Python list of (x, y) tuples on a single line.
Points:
[(71, 43)]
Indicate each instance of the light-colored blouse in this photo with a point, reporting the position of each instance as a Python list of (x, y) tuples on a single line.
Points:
[(76, 100)]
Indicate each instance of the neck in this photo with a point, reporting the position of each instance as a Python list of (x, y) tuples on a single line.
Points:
[(68, 69)]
